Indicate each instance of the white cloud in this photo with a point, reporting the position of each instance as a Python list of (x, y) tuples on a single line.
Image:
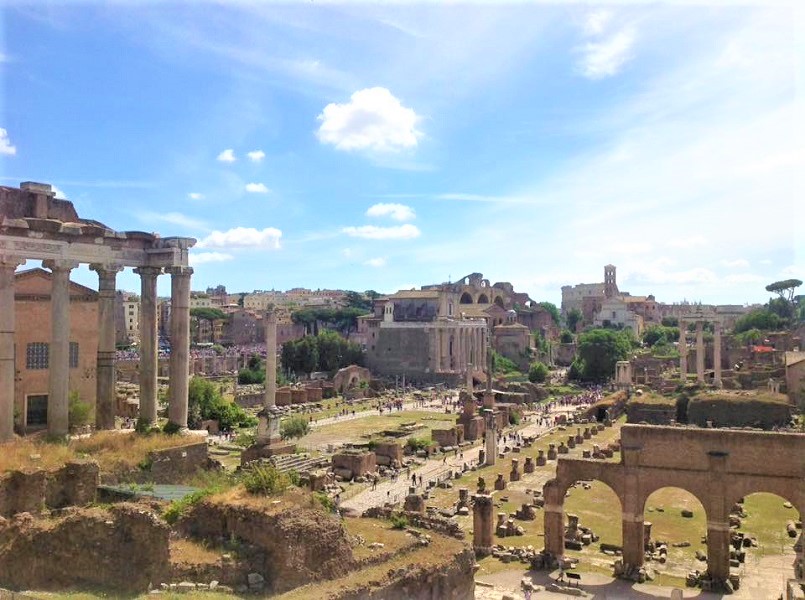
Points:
[(373, 120), (209, 257), (376, 262), (398, 212), (256, 155), (243, 237), (744, 278), (738, 263), (227, 156), (174, 218), (195, 196), (257, 188), (607, 57), (59, 193), (5, 144), (596, 22), (371, 232)]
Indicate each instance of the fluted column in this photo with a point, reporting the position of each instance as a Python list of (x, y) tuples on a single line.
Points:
[(8, 264), (683, 351), (105, 395), (149, 347), (180, 344), (270, 399), (717, 354), (700, 351), (59, 352)]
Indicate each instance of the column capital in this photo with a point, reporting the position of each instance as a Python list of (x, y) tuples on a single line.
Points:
[(105, 269), (58, 264), (10, 262), (148, 271), (179, 271)]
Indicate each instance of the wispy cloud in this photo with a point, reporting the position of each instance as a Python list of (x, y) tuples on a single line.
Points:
[(376, 262), (257, 188), (398, 212), (256, 155), (227, 156), (173, 218), (243, 237), (201, 258), (372, 232), (607, 57), (738, 263), (6, 147), (195, 196), (373, 120)]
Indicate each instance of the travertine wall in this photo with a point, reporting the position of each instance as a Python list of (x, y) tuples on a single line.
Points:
[(75, 484)]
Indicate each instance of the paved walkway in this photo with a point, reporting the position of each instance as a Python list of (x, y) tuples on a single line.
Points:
[(433, 469)]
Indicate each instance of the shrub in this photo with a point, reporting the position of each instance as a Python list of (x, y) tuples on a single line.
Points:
[(294, 427), (415, 443), (179, 508), (171, 428), (324, 500), (265, 480), (537, 373), (399, 522), (79, 413), (514, 418), (566, 337)]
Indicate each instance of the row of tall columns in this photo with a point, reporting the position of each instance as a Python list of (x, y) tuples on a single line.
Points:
[(7, 374), (683, 351)]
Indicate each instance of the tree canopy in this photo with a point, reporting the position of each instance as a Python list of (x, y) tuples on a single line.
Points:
[(207, 313), (340, 319), (598, 351), (327, 351), (573, 318), (785, 288), (551, 308), (204, 402), (762, 319)]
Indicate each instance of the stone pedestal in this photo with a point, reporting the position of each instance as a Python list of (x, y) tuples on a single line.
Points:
[(528, 467), (587, 433), (552, 453), (562, 448), (515, 472), (541, 460), (579, 437), (414, 503), (481, 457), (463, 497), (483, 525), (500, 482), (571, 443), (257, 451)]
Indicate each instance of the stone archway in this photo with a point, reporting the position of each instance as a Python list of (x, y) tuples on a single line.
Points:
[(465, 298), (483, 299), (676, 515), (499, 301), (717, 466)]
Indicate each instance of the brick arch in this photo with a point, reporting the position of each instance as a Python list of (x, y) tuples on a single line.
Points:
[(483, 299), (465, 298), (499, 301), (697, 489), (790, 491)]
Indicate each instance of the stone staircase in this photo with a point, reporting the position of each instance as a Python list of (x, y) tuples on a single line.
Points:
[(300, 463)]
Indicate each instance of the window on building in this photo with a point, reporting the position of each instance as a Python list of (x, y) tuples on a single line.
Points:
[(73, 355), (37, 355)]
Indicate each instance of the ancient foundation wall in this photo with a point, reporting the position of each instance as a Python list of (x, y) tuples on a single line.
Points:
[(652, 414), (123, 549), (302, 545), (355, 463), (741, 413), (74, 484)]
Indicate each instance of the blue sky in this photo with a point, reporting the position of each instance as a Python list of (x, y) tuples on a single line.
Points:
[(365, 146)]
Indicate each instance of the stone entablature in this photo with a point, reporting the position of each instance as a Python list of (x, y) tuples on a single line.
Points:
[(34, 225)]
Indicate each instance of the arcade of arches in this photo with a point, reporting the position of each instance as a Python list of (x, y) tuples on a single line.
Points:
[(718, 467)]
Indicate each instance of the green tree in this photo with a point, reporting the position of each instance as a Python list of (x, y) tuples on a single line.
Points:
[(206, 403), (79, 413), (599, 350), (785, 288), (295, 426), (551, 308), (574, 317), (537, 372), (566, 337), (762, 319), (207, 313), (670, 321)]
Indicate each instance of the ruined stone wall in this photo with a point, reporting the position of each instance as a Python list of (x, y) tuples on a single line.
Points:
[(388, 453), (301, 544), (451, 581), (653, 414), (421, 520), (74, 484), (401, 351), (723, 412), (354, 463), (122, 549)]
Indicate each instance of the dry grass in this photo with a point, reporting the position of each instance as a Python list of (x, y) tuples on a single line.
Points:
[(188, 552), (114, 451), (377, 530)]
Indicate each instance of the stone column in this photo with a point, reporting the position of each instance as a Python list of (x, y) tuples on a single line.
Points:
[(717, 354), (718, 550), (700, 351), (633, 537), (59, 353), (554, 519), (180, 344), (105, 393), (8, 264), (149, 347), (483, 524), (270, 398), (683, 350)]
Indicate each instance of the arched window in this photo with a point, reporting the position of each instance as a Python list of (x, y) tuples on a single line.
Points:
[(465, 298)]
